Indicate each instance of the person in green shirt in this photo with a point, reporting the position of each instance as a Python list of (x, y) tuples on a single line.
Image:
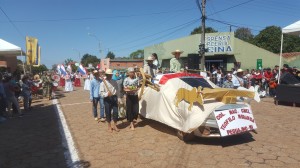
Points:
[(176, 63)]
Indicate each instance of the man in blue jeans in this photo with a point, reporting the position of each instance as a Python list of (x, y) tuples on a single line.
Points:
[(95, 96)]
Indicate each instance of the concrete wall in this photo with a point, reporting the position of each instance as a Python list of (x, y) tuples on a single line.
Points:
[(248, 54)]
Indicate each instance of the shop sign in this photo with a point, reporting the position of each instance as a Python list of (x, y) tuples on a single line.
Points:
[(221, 43), (235, 121)]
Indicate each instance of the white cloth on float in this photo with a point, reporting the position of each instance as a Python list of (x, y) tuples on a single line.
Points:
[(68, 85)]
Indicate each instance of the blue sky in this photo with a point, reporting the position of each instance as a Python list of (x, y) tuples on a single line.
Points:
[(124, 26)]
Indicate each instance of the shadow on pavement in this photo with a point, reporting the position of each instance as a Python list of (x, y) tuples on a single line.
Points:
[(224, 141)]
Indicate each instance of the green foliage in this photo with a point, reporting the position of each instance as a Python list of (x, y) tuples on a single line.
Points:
[(39, 69), (138, 54), (244, 33), (110, 55), (270, 39), (198, 30), (69, 61), (89, 59)]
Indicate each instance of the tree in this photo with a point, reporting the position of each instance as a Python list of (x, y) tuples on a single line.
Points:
[(110, 55), (89, 59), (198, 30), (39, 69), (270, 39), (138, 54), (72, 63), (244, 33)]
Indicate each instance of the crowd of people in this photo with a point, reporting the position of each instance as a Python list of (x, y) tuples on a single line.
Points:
[(264, 80)]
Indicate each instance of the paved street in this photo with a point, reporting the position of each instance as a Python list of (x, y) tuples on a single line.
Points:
[(34, 141)]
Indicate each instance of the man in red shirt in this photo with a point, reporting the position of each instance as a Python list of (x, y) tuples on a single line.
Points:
[(267, 76)]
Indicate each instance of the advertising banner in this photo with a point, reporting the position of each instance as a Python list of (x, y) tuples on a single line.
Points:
[(235, 121)]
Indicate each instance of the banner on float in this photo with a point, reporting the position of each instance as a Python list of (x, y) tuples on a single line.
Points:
[(37, 61), (235, 121), (31, 50)]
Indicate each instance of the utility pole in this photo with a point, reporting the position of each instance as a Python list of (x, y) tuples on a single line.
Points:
[(202, 44)]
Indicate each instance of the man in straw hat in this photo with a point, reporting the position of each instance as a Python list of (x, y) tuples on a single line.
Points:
[(237, 79), (95, 96), (176, 63), (110, 91), (150, 68)]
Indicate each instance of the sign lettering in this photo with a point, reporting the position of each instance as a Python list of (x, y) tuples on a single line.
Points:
[(220, 43), (235, 121)]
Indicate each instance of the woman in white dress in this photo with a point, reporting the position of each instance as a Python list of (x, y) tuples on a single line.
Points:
[(87, 82), (68, 85)]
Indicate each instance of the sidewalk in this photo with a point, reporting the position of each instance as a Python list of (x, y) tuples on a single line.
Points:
[(33, 140)]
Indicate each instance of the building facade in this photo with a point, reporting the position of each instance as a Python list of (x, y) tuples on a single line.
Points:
[(120, 64), (223, 50)]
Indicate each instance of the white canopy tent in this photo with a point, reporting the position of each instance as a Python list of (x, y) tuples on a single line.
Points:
[(8, 49), (293, 29)]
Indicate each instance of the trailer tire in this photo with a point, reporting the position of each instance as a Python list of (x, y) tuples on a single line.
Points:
[(186, 137)]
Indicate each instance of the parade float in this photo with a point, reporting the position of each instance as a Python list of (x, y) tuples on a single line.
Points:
[(195, 106)]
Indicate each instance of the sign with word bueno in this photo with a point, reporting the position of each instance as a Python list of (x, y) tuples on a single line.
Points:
[(235, 121)]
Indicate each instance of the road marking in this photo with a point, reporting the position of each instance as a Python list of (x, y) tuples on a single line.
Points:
[(71, 154), (73, 104)]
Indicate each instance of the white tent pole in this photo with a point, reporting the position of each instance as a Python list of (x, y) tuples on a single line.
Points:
[(23, 62), (280, 58)]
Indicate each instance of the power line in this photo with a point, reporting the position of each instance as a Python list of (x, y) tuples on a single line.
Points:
[(230, 7), (95, 18), (141, 38), (11, 22), (185, 25), (228, 23)]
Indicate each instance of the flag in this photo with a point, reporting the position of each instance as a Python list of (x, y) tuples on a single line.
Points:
[(32, 50), (81, 70), (37, 61), (58, 69), (63, 70), (69, 68)]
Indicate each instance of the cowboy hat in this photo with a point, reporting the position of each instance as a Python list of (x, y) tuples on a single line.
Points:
[(150, 58), (239, 70), (130, 69), (177, 51), (108, 72)]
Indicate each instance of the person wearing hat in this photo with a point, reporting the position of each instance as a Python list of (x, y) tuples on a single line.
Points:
[(131, 84), (176, 63), (110, 91), (95, 96), (150, 68), (237, 79)]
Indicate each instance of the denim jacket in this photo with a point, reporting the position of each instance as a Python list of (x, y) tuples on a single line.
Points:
[(95, 87)]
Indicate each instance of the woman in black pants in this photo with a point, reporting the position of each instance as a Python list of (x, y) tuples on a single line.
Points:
[(132, 102)]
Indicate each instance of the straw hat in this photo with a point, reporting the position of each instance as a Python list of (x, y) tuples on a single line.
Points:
[(150, 58), (239, 70), (108, 72), (177, 51), (95, 71), (130, 69)]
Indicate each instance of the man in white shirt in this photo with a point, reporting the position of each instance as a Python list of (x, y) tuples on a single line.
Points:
[(237, 79), (110, 91)]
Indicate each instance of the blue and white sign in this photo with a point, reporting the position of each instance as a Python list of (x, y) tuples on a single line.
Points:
[(219, 43)]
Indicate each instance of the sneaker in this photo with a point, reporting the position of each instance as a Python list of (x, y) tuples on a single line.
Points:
[(102, 119), (96, 118)]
